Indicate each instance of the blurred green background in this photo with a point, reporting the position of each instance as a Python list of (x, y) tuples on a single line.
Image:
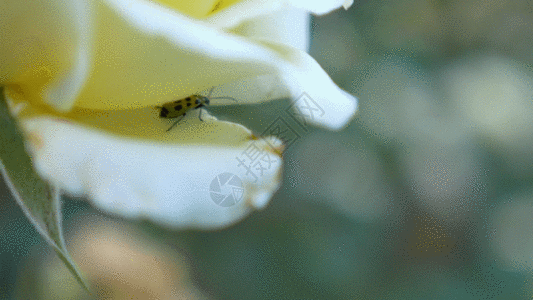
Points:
[(427, 194)]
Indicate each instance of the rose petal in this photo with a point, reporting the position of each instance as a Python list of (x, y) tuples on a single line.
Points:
[(317, 98), (45, 49), (159, 56), (146, 55), (321, 7), (252, 9), (172, 185), (141, 55), (143, 123), (196, 9), (289, 26)]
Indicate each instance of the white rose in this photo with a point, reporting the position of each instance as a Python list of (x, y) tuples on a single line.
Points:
[(84, 78)]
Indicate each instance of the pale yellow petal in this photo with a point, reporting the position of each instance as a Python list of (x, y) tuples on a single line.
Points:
[(143, 123), (251, 9), (46, 49), (172, 185), (145, 54), (195, 9), (320, 7), (317, 99), (289, 26)]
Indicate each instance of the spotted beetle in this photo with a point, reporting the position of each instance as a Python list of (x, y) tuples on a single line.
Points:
[(179, 108)]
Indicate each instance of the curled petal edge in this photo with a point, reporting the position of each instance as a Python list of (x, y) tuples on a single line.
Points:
[(171, 185)]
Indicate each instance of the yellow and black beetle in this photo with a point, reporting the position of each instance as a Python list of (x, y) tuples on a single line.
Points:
[(179, 108)]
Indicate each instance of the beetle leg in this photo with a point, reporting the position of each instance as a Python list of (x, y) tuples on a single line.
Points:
[(175, 123), (200, 115)]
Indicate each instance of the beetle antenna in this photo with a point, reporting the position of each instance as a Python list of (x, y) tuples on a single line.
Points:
[(210, 92), (233, 99)]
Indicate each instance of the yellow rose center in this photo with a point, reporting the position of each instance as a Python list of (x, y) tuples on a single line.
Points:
[(198, 9)]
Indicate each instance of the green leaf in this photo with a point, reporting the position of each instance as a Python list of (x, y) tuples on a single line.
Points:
[(40, 202)]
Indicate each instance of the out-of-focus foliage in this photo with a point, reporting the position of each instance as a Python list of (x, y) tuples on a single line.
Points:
[(428, 194)]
